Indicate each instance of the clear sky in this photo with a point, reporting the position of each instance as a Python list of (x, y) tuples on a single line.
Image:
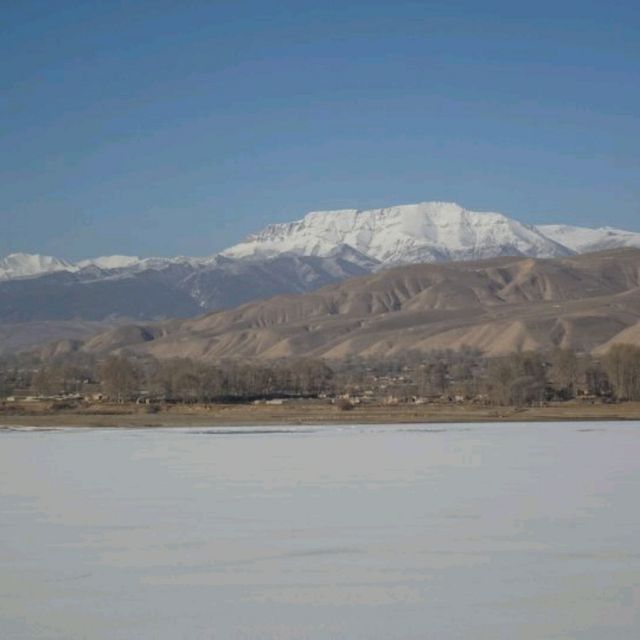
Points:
[(177, 127)]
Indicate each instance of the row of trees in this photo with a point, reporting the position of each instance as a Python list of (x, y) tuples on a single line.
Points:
[(182, 380), (525, 378), (518, 379), (623, 369)]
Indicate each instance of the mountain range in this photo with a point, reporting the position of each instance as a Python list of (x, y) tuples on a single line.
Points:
[(407, 234), (298, 257), (498, 305)]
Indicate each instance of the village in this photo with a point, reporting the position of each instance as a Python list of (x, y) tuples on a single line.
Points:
[(411, 387)]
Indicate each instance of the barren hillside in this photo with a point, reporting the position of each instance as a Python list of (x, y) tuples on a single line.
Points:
[(498, 305)]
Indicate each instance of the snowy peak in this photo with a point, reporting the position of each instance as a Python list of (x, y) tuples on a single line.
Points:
[(22, 265), (369, 239), (110, 262), (585, 240), (426, 232), (27, 265)]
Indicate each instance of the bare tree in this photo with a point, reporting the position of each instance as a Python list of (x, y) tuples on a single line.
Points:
[(518, 379), (564, 372), (119, 378), (596, 380), (623, 367)]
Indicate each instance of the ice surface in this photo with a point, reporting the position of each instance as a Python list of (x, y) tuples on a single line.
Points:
[(521, 531)]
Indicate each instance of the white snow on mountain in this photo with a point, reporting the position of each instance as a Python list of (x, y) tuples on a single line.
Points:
[(109, 262), (20, 265), (585, 240), (426, 232), (26, 265)]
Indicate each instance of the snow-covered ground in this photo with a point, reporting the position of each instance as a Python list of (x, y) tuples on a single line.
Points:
[(523, 531)]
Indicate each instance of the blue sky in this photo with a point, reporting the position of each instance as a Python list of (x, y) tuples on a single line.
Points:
[(177, 127)]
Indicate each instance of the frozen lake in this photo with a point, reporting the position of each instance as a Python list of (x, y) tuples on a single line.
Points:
[(527, 531)]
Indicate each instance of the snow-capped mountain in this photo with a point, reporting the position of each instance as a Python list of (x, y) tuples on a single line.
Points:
[(584, 240), (165, 288), (20, 265), (427, 232), (26, 265), (110, 262), (295, 257)]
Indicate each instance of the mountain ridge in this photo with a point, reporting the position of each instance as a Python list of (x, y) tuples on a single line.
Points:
[(497, 305), (296, 257), (423, 232)]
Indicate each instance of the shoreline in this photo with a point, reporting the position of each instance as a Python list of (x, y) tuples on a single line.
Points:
[(302, 414)]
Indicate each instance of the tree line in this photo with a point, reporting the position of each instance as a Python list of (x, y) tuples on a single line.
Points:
[(518, 379), (121, 379)]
